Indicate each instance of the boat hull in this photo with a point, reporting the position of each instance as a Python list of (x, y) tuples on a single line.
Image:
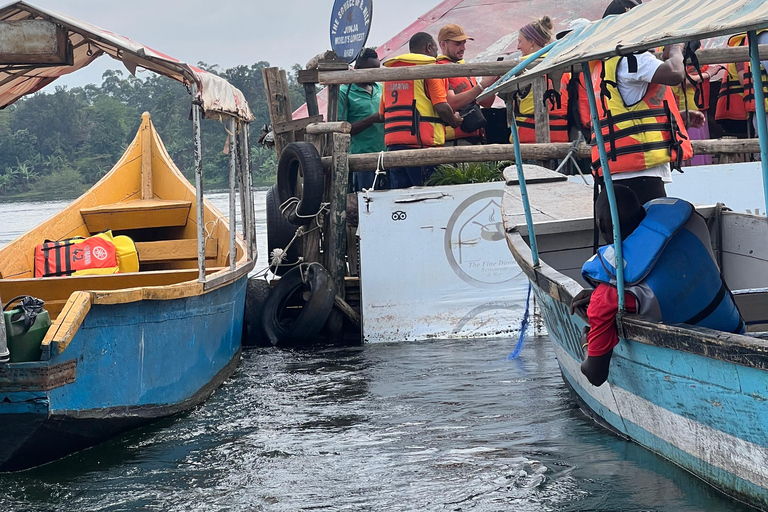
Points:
[(128, 365), (680, 405)]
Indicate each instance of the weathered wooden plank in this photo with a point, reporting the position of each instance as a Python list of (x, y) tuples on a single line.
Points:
[(331, 127), (65, 326), (146, 159), (310, 93), (279, 103), (174, 250), (296, 125), (348, 311), (540, 110), (33, 42)]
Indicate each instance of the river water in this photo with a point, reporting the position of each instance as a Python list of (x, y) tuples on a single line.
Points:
[(439, 425)]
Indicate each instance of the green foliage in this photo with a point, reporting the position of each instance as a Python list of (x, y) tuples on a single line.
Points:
[(473, 172), (56, 144)]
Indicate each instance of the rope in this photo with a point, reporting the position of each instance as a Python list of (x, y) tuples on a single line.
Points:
[(523, 327), (277, 255), (379, 172)]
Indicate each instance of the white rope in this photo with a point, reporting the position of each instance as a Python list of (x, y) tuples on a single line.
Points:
[(209, 234), (379, 172)]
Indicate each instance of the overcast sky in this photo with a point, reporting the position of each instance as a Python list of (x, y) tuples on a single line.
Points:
[(227, 32)]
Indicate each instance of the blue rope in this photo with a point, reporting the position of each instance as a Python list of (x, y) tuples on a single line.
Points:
[(523, 327)]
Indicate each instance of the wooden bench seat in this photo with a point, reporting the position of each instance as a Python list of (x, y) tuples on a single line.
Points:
[(139, 214), (174, 250)]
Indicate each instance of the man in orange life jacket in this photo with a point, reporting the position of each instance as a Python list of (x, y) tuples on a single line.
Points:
[(415, 111), (463, 90), (631, 91)]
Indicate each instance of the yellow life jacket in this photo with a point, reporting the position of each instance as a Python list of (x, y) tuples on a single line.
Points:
[(410, 118), (640, 136), (749, 82), (557, 102)]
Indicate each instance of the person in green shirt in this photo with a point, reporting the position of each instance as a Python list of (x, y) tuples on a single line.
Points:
[(359, 105)]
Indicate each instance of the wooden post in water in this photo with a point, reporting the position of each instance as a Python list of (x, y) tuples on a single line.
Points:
[(279, 102), (336, 232)]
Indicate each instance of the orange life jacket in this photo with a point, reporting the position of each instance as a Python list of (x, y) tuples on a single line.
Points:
[(637, 137), (410, 118), (458, 85), (749, 83), (558, 111), (95, 255), (730, 99)]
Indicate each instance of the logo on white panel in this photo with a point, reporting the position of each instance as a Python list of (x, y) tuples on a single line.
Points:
[(475, 242)]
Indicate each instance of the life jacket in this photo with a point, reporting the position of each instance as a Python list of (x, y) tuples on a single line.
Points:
[(96, 255), (557, 101), (670, 269), (410, 118), (640, 136), (579, 116), (730, 99), (692, 96), (749, 83), (458, 85)]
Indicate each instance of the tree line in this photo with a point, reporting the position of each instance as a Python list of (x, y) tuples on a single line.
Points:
[(57, 144)]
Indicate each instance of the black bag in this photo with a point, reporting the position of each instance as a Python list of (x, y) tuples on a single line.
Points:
[(472, 118)]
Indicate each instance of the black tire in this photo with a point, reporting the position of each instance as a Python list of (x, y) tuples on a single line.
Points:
[(279, 233), (300, 174), (287, 325), (256, 294)]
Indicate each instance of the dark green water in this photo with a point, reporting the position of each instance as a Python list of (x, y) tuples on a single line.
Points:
[(417, 426)]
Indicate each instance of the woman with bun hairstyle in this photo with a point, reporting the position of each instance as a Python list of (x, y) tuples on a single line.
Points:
[(533, 37)]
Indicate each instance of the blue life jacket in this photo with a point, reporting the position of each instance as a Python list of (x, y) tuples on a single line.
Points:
[(670, 269)]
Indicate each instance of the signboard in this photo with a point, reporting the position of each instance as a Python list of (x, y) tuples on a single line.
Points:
[(350, 24)]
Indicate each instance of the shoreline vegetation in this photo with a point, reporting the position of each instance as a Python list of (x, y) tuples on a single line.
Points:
[(55, 145)]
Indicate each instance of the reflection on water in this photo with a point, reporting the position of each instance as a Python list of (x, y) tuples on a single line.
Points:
[(412, 426)]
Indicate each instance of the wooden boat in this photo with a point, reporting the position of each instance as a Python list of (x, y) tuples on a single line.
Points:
[(123, 349), (695, 396)]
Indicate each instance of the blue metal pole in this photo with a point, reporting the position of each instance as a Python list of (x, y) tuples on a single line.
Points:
[(608, 184), (762, 130), (524, 193)]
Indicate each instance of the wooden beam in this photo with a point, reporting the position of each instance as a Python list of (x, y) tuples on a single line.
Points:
[(540, 110), (146, 157), (174, 250), (334, 127), (279, 103), (310, 93), (296, 125)]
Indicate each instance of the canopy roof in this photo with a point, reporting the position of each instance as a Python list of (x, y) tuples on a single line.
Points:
[(493, 24), (647, 26), (217, 96)]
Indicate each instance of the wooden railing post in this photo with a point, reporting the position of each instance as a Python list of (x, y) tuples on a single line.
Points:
[(279, 102), (540, 110)]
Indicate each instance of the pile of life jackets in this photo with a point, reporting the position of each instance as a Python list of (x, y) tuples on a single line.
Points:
[(100, 254)]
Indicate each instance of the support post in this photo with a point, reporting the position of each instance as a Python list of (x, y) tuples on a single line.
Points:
[(609, 190), (232, 193), (310, 93), (336, 234), (332, 114), (279, 102), (762, 130), (524, 194), (198, 150), (540, 110)]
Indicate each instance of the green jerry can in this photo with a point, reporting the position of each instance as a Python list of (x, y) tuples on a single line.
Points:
[(24, 342)]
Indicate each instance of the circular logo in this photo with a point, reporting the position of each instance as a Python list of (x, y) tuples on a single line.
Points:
[(399, 215), (99, 253), (475, 242), (350, 24)]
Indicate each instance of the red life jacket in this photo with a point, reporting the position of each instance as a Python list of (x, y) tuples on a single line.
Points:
[(558, 111), (749, 84), (458, 85), (410, 118), (76, 256), (730, 99), (640, 136)]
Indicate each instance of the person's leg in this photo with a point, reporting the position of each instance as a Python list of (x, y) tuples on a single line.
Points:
[(399, 178), (415, 176), (646, 188)]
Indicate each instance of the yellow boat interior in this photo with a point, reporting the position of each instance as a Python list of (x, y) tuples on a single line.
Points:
[(148, 199)]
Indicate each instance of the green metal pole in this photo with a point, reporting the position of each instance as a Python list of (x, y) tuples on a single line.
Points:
[(608, 184), (762, 130)]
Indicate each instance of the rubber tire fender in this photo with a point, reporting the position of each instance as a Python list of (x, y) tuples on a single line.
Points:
[(256, 293), (280, 232), (316, 308), (300, 174)]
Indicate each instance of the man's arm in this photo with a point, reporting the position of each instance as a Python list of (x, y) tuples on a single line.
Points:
[(436, 88), (447, 114), (464, 98), (366, 123), (672, 72), (601, 335)]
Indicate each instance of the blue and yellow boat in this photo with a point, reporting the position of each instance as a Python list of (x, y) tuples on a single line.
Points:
[(125, 349)]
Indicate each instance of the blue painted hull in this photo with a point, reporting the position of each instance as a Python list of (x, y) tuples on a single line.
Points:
[(128, 364), (707, 415)]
